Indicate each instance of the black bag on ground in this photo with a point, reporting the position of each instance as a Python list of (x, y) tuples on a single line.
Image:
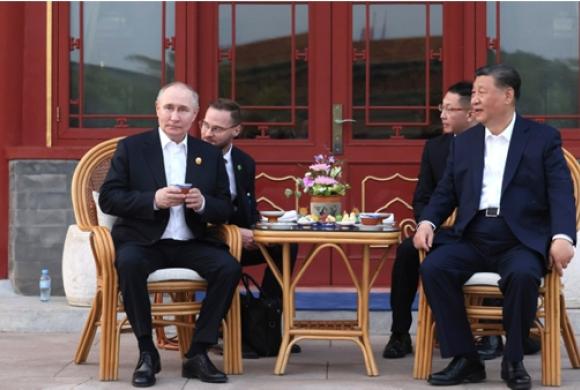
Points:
[(261, 320)]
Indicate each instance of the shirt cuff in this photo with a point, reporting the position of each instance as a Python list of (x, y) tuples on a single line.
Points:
[(563, 237), (429, 222)]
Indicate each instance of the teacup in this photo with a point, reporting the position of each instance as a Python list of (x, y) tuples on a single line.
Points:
[(185, 187)]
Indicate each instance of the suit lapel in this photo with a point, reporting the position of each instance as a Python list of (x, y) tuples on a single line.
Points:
[(194, 163), (515, 151), (154, 157), (237, 166)]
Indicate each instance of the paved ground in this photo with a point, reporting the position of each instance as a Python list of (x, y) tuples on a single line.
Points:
[(38, 340), (44, 361)]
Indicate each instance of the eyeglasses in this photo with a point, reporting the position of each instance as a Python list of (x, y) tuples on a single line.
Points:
[(442, 108), (204, 126)]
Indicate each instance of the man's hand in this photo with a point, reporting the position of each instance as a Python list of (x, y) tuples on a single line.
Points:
[(561, 253), (423, 237), (168, 197), (194, 199), (248, 239)]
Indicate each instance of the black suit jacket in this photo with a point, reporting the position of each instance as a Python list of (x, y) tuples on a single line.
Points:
[(432, 168), (245, 209), (537, 197), (137, 172)]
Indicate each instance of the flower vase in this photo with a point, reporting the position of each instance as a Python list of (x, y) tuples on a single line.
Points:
[(326, 205)]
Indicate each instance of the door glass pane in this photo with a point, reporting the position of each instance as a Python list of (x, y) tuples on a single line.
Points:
[(117, 63), (540, 39), (397, 72), (265, 69)]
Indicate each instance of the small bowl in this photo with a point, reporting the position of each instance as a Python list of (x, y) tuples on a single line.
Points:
[(272, 215), (370, 219)]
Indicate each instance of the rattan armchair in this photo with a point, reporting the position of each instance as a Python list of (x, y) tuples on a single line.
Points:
[(179, 311), (552, 318)]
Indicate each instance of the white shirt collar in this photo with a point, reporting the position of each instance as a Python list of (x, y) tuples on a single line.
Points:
[(505, 133), (165, 140), (228, 154)]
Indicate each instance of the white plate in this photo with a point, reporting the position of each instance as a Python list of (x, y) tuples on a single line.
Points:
[(375, 228), (272, 213), (276, 225)]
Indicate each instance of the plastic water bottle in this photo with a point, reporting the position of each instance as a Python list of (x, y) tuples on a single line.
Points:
[(44, 285)]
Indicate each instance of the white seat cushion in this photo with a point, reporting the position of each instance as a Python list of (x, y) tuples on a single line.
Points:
[(483, 279), (164, 274), (487, 279), (104, 219)]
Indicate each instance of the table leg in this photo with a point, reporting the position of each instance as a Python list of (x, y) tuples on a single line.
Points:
[(363, 310), (287, 312)]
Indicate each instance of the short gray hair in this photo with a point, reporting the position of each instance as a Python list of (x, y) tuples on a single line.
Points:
[(194, 95)]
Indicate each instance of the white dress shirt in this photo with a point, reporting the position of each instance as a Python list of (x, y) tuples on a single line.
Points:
[(231, 173), (175, 163), (495, 156)]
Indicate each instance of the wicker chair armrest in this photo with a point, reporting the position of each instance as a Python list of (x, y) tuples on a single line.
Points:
[(230, 234), (103, 253)]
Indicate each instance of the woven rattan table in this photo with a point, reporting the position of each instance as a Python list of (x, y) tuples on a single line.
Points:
[(354, 330)]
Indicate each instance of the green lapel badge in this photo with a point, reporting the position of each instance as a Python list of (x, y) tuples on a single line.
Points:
[(239, 167)]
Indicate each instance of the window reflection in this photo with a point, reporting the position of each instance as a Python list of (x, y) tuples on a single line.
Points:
[(264, 68), (541, 41), (390, 84), (123, 61)]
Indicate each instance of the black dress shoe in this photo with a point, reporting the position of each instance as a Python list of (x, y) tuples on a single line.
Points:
[(147, 367), (489, 347), (460, 370), (398, 346), (295, 348), (199, 366), (515, 375)]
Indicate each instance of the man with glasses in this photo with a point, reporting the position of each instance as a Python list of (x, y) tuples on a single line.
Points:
[(221, 124), (456, 117), (159, 226)]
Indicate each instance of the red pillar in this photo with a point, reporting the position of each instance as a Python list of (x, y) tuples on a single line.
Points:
[(11, 64)]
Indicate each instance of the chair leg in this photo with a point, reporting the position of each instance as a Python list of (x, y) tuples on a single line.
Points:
[(568, 335), (89, 330), (233, 338), (551, 361), (110, 338), (424, 340)]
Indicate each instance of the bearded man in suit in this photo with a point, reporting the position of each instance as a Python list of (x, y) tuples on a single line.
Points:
[(508, 179), (220, 126), (158, 226)]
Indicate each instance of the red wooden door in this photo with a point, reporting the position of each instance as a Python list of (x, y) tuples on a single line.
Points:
[(300, 70)]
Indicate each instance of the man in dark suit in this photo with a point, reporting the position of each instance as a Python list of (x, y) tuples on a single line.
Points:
[(161, 227), (456, 117), (509, 182), (220, 126)]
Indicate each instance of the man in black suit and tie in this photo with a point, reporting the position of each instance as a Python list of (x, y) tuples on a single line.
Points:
[(221, 124), (509, 182), (456, 117), (160, 227)]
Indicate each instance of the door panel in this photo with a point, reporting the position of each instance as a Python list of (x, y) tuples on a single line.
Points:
[(380, 63)]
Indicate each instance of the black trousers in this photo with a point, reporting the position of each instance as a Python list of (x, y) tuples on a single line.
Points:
[(404, 280), (270, 285), (221, 271), (487, 245)]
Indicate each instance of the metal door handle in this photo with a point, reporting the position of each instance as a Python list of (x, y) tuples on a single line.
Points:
[(341, 121)]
